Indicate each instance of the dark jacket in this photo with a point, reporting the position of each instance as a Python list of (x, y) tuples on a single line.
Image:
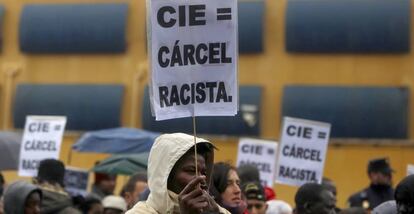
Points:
[(16, 195), (371, 197), (56, 201)]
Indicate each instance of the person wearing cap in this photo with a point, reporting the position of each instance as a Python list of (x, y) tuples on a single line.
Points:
[(174, 185), (255, 196), (380, 189), (250, 173), (404, 195), (22, 198), (114, 205), (49, 179), (312, 198)]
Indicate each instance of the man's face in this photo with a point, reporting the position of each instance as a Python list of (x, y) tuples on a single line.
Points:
[(108, 185), (255, 206), (325, 206), (380, 178), (232, 194), (32, 205), (184, 171), (329, 185), (132, 197)]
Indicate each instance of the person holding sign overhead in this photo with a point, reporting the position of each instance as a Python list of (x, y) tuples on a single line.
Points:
[(172, 179)]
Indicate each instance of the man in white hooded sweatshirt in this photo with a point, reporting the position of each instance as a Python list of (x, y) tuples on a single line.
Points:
[(175, 187)]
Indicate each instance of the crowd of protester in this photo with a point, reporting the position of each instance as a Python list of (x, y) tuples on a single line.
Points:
[(176, 184)]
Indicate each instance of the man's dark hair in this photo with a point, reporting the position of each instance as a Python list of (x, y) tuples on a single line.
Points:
[(404, 192), (248, 173), (381, 165), (87, 204), (308, 194), (329, 185), (51, 171), (219, 179), (130, 185)]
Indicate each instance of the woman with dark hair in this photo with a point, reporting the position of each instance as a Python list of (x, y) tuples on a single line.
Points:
[(226, 188)]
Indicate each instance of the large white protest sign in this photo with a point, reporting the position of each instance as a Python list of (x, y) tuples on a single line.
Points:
[(41, 140), (262, 154), (76, 181), (410, 169), (193, 52), (302, 151)]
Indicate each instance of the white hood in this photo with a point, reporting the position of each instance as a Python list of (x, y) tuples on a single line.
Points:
[(165, 152)]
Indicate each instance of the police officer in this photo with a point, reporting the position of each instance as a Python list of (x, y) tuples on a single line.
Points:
[(380, 189)]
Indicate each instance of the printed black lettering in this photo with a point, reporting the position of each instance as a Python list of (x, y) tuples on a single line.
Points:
[(307, 132), (39, 127), (161, 17), (245, 149), (213, 50), (185, 99), (297, 174), (192, 93), (161, 62), (290, 130), (221, 93), (189, 51), (201, 97), (174, 97), (176, 55), (285, 150), (181, 11), (197, 12), (302, 153), (201, 58), (40, 145), (224, 58), (211, 86), (30, 164), (163, 94)]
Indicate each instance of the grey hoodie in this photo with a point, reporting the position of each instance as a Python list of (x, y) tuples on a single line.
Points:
[(15, 196)]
